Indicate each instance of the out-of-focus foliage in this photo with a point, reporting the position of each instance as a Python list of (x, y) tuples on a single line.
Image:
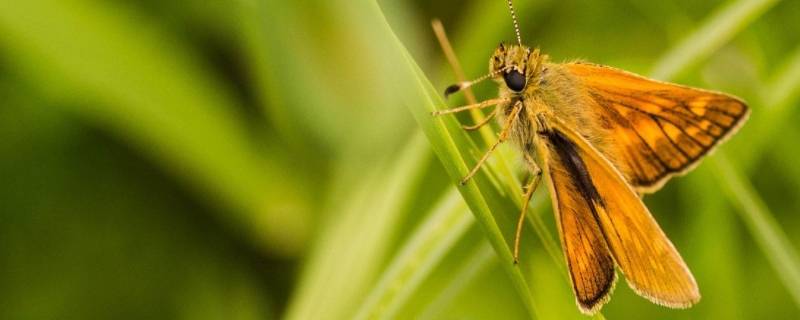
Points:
[(254, 159)]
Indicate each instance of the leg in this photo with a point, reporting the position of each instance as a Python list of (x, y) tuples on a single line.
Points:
[(482, 123), (479, 105), (536, 177), (503, 136)]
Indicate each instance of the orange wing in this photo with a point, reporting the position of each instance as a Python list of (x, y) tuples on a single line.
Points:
[(589, 259), (599, 214), (657, 129)]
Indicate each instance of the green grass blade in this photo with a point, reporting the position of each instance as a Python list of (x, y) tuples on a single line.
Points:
[(767, 232), (356, 242), (716, 263), (425, 253), (424, 250), (775, 115), (785, 86), (470, 42), (491, 194), (456, 151), (715, 32), (453, 146), (474, 264)]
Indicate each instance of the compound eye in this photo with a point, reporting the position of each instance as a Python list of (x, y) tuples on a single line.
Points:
[(514, 80)]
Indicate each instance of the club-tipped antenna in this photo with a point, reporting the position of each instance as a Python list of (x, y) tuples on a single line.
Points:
[(514, 19), (466, 84)]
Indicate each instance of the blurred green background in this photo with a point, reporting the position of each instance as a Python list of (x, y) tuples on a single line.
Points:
[(254, 159)]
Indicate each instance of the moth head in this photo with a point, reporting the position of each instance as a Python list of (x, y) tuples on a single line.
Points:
[(511, 63)]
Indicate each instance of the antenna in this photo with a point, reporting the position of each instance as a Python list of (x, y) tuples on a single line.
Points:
[(516, 25), (466, 84)]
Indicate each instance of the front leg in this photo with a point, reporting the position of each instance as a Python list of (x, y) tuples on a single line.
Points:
[(506, 131), (479, 105), (484, 122)]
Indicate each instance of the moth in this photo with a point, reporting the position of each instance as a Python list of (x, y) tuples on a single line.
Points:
[(601, 137)]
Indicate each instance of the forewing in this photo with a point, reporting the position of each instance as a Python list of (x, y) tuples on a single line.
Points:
[(657, 129), (650, 263)]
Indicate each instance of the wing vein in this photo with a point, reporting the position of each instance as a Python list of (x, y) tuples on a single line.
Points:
[(673, 142)]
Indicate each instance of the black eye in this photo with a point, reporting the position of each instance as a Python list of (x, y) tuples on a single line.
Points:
[(514, 80)]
